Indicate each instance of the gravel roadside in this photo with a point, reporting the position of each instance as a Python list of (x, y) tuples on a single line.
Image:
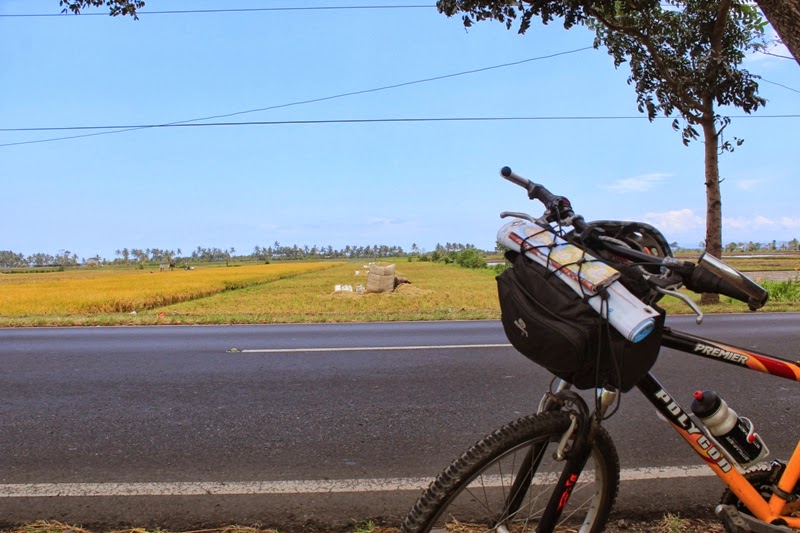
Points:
[(667, 524)]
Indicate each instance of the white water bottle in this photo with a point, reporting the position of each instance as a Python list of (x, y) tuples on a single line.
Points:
[(735, 435)]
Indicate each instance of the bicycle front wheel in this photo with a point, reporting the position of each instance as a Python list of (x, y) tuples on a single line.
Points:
[(474, 494)]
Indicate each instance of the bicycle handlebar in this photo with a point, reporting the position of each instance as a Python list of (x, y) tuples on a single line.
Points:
[(515, 178), (703, 280), (558, 207), (706, 277)]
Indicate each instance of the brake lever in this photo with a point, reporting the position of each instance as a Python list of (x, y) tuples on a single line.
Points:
[(685, 299), (515, 214)]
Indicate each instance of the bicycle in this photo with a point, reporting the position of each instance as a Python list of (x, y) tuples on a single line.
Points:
[(508, 482)]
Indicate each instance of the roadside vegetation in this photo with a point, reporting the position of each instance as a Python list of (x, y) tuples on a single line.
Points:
[(452, 285), (11, 261)]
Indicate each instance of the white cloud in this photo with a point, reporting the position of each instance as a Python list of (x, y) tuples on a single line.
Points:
[(686, 221), (759, 228), (788, 222), (678, 221), (759, 222), (642, 183), (382, 221), (686, 226), (735, 222), (747, 184)]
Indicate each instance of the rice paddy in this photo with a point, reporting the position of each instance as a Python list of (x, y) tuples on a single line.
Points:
[(435, 291), (280, 293), (81, 294)]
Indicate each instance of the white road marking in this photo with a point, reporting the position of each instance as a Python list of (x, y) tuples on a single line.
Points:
[(665, 472), (372, 348), (201, 488)]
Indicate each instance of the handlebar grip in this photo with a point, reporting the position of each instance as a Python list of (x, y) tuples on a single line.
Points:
[(515, 178), (703, 280), (539, 192)]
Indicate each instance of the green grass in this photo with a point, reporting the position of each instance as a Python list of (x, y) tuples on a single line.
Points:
[(783, 291), (367, 526)]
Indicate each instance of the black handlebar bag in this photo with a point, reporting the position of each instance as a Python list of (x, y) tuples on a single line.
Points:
[(546, 321)]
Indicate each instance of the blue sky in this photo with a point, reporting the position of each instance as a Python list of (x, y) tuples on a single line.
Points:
[(356, 183)]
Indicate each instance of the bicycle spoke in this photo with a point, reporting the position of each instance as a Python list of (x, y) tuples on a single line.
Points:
[(489, 490)]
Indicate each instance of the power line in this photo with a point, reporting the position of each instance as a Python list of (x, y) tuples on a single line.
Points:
[(366, 121), (325, 121), (387, 87), (357, 121), (780, 85), (231, 10), (189, 122), (314, 100), (776, 55)]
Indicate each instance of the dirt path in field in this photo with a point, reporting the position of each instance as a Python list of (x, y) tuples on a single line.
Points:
[(773, 275)]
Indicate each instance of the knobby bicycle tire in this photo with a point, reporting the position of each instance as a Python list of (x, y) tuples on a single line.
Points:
[(471, 493)]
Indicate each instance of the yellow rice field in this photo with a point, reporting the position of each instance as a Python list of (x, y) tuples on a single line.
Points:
[(90, 292), (260, 294), (437, 291)]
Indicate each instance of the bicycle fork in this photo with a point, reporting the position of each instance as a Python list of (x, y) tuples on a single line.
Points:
[(574, 446), (575, 464), (530, 465)]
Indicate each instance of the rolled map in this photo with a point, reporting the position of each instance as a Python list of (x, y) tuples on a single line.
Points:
[(626, 313)]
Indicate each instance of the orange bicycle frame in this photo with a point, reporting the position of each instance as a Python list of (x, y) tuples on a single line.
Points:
[(772, 511)]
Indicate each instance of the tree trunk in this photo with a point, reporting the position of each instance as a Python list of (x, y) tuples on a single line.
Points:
[(713, 199), (784, 15)]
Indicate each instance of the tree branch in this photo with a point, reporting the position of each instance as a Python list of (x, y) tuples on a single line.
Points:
[(686, 106), (719, 26), (717, 35), (632, 31)]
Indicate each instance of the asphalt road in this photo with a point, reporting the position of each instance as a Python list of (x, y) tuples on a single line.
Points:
[(290, 425)]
